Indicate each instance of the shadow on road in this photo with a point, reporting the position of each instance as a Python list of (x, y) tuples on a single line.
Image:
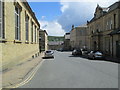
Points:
[(114, 61), (47, 57), (106, 59), (75, 56)]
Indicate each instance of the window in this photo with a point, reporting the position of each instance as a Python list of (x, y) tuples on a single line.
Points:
[(2, 35), (37, 36), (0, 19), (31, 31), (110, 24), (27, 27), (107, 25), (114, 21), (17, 23), (35, 33)]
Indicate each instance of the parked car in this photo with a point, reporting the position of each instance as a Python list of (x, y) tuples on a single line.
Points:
[(60, 49), (76, 52), (49, 54), (95, 55), (84, 51)]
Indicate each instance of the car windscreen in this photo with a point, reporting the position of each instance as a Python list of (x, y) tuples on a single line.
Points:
[(48, 51)]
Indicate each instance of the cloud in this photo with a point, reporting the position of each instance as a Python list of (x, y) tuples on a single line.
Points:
[(79, 12), (73, 13), (53, 28), (43, 17)]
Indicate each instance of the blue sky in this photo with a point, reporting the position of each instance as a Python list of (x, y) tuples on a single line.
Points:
[(51, 10), (58, 17)]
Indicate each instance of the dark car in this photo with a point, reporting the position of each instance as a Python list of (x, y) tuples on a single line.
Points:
[(96, 55), (60, 49), (76, 52), (84, 51)]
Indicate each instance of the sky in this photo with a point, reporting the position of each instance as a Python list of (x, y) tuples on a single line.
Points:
[(57, 18)]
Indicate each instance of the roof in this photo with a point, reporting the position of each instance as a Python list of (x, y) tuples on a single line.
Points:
[(43, 31), (30, 11), (67, 33), (106, 10), (83, 25)]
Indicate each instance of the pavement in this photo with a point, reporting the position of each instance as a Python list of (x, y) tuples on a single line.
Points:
[(111, 59), (63, 71), (12, 78)]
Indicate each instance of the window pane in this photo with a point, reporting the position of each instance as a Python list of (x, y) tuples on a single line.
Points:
[(32, 32), (0, 30), (35, 33), (15, 20), (0, 9), (27, 27), (16, 10), (17, 23), (0, 18), (15, 32)]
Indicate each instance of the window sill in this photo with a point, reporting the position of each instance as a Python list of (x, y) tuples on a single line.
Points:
[(3, 40), (31, 42), (26, 42), (17, 41)]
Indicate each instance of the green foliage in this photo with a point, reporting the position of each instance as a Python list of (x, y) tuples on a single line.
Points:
[(55, 38)]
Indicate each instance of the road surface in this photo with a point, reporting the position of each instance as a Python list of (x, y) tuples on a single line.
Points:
[(66, 71)]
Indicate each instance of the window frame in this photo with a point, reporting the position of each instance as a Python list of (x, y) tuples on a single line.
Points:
[(32, 25), (35, 33), (17, 23), (27, 27), (111, 23), (2, 32)]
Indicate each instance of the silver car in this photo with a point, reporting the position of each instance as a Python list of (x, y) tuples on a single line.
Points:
[(95, 55), (49, 54)]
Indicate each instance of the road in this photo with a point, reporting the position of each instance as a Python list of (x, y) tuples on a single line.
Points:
[(66, 71)]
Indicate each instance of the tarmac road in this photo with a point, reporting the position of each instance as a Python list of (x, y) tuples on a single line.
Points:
[(66, 71)]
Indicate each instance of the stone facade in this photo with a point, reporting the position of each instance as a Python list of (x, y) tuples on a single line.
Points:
[(19, 34), (79, 37), (55, 45), (105, 29), (43, 40), (67, 45)]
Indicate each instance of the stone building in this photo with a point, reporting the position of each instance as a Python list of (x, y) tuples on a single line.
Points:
[(105, 30), (79, 37), (43, 40), (55, 45), (19, 33), (67, 45)]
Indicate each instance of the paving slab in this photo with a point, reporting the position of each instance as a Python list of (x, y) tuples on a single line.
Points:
[(18, 73)]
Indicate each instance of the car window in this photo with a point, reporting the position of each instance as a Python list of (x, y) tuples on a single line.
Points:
[(94, 51), (48, 51), (91, 52), (75, 50)]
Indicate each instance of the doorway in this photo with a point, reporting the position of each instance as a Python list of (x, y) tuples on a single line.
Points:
[(118, 49)]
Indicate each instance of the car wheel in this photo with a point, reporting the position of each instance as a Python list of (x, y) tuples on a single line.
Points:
[(93, 57)]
